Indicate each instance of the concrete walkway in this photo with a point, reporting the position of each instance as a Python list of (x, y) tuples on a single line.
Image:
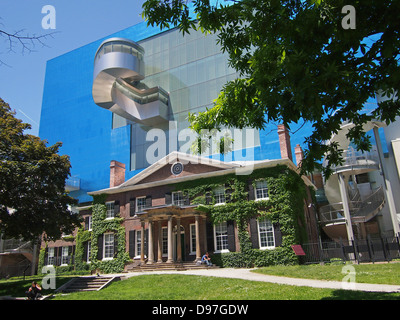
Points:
[(246, 274)]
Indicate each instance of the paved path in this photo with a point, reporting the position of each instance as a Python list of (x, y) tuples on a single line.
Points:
[(246, 274)]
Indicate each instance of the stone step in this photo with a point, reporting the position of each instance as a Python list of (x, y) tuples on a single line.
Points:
[(167, 267), (87, 284)]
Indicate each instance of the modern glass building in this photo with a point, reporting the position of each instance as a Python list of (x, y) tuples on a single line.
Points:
[(181, 74)]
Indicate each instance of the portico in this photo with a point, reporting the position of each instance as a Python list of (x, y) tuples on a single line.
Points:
[(185, 230)]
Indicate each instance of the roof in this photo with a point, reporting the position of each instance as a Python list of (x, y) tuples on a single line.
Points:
[(223, 168)]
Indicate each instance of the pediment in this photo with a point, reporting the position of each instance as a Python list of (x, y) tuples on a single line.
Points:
[(177, 165)]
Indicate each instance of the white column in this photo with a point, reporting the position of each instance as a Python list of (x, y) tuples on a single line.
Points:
[(346, 210), (150, 245), (198, 249), (142, 243), (170, 252), (387, 185), (178, 240), (159, 249)]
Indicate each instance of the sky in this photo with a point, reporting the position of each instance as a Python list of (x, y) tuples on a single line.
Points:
[(77, 23)]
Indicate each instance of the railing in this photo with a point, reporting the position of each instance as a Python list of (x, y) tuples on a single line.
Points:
[(359, 250), (358, 209), (352, 158), (12, 245)]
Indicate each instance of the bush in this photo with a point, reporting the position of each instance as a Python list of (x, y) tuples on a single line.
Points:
[(255, 258)]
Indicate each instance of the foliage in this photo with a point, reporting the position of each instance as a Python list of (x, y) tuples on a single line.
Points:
[(100, 225), (33, 200), (297, 63), (284, 208)]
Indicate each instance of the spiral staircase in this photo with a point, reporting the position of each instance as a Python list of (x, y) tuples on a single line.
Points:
[(118, 71), (363, 209)]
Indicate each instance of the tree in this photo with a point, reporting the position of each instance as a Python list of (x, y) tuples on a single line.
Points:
[(33, 200), (23, 41), (298, 60)]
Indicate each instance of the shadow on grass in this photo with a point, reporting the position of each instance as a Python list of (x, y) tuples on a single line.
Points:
[(361, 295)]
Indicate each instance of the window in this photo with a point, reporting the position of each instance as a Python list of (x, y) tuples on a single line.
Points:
[(221, 237), (110, 210), (89, 250), (108, 246), (138, 246), (192, 238), (261, 190), (64, 256), (219, 194), (90, 223), (177, 199), (140, 204), (266, 234), (50, 256)]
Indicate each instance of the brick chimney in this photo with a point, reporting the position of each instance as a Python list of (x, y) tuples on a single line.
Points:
[(117, 173), (284, 142), (298, 151)]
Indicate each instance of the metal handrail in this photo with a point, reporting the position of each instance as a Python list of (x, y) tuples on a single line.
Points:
[(334, 212), (352, 157)]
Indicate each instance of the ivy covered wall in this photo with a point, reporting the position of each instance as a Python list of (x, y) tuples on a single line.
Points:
[(284, 208)]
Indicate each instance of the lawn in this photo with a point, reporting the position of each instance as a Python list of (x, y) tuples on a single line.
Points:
[(387, 273), (188, 287)]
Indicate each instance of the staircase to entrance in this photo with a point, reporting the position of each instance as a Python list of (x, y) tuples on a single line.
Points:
[(175, 266)]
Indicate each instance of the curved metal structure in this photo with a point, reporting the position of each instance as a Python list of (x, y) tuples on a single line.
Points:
[(118, 70), (345, 206)]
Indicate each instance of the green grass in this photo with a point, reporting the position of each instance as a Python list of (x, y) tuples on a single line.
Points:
[(187, 287), (388, 273), (17, 287)]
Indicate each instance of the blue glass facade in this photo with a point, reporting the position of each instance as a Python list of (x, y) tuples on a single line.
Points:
[(191, 68)]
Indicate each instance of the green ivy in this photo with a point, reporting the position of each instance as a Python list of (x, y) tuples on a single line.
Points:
[(100, 225), (284, 207)]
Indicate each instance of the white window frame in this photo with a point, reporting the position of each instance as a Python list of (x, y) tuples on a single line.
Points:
[(264, 189), (217, 239), (180, 201), (192, 228), (219, 193), (110, 213), (89, 251), (50, 255), (64, 250), (138, 241), (90, 223), (104, 245), (270, 232), (141, 207)]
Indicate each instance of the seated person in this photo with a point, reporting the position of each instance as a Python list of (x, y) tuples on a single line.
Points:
[(206, 259), (34, 291)]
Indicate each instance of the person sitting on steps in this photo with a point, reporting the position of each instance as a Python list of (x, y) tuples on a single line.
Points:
[(34, 291), (206, 259)]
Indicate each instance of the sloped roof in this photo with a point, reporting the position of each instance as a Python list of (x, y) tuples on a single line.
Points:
[(221, 168)]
